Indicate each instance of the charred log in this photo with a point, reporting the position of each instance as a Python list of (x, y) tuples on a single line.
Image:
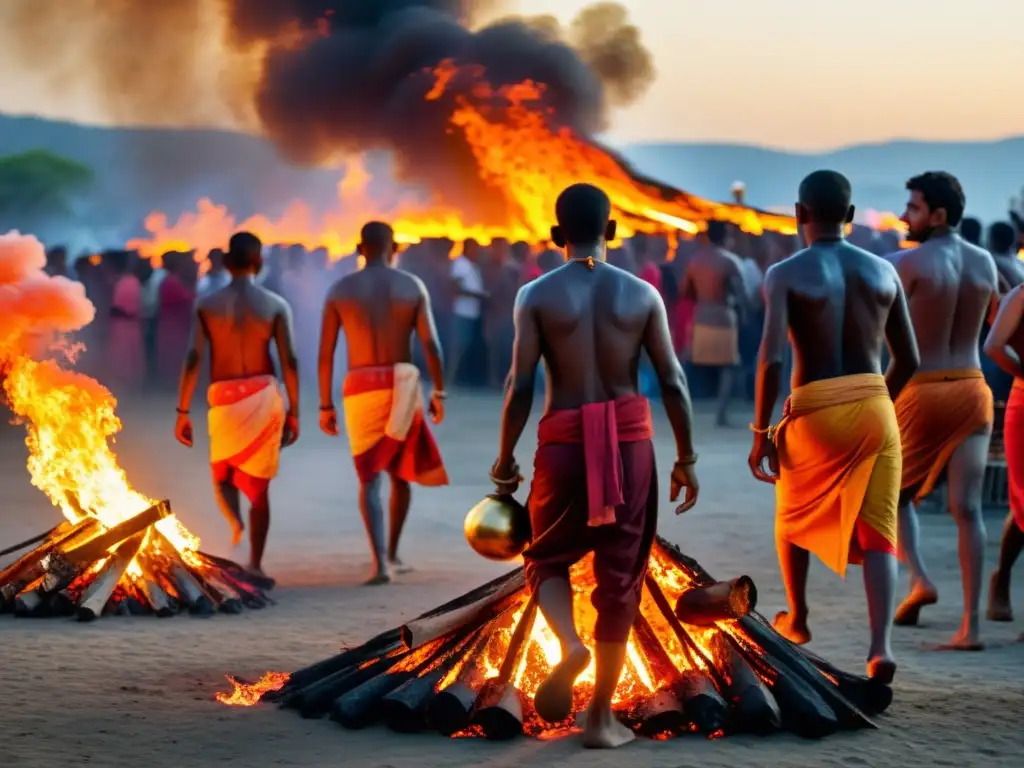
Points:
[(316, 700), (95, 548), (28, 568), (721, 601), (423, 630), (702, 703), (451, 710), (754, 708), (662, 712), (499, 712), (363, 705)]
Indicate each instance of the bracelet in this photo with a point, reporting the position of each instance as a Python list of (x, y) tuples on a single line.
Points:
[(182, 412), (326, 408), (687, 461), (758, 431), (440, 394), (498, 481)]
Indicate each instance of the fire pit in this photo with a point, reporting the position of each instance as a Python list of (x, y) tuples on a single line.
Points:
[(86, 569), (699, 660)]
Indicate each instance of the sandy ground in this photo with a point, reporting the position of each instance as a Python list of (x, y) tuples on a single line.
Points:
[(139, 692)]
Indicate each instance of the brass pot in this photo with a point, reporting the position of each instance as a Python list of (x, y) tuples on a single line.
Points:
[(498, 528)]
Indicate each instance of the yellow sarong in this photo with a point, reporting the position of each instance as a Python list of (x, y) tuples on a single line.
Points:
[(839, 469)]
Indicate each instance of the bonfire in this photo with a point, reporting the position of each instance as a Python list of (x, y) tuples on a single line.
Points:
[(117, 550), (699, 660)]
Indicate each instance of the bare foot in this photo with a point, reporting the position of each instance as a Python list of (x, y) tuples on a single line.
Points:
[(605, 732), (377, 580), (882, 669), (237, 534), (909, 612), (999, 607), (793, 630), (399, 567), (257, 571), (553, 700), (964, 640)]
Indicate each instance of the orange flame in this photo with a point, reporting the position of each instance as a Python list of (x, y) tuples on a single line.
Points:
[(249, 694), (520, 155), (69, 418)]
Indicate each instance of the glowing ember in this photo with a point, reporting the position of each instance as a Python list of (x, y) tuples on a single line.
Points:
[(523, 159), (698, 660), (248, 694)]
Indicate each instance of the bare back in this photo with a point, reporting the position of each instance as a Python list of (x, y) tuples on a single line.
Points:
[(1011, 272), (241, 321), (838, 299), (378, 308), (951, 287), (591, 326), (714, 280)]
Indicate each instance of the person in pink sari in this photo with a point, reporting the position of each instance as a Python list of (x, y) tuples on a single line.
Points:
[(174, 317), (125, 358)]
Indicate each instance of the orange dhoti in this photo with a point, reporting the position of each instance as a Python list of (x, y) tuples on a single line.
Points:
[(839, 469), (246, 421), (386, 428), (937, 411)]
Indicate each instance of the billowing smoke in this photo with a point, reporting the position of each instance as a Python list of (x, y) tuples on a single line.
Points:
[(325, 77), (33, 305)]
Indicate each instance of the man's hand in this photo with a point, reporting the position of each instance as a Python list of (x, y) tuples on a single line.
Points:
[(505, 476), (684, 476), (329, 421), (436, 407), (291, 430), (764, 451), (183, 429)]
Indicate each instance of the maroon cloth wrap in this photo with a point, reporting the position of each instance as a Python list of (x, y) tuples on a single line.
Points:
[(589, 458)]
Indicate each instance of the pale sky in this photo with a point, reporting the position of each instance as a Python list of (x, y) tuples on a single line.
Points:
[(796, 74), (818, 74)]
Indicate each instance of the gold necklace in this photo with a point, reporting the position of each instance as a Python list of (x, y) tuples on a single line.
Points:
[(587, 260)]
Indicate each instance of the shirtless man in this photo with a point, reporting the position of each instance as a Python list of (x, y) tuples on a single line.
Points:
[(380, 308), (714, 280), (1002, 244), (248, 421), (589, 322), (835, 456), (945, 413)]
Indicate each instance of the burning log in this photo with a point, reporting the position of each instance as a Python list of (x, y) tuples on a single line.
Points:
[(451, 710), (499, 710), (98, 593), (34, 540), (472, 614), (88, 569), (754, 709), (679, 677), (364, 704), (721, 601)]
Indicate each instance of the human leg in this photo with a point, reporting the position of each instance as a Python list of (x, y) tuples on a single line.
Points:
[(259, 527), (880, 573), (966, 479), (726, 383), (1000, 607), (373, 518), (922, 590), (401, 495), (228, 502), (794, 563)]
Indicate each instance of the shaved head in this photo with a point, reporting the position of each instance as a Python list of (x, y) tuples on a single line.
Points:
[(825, 198), (377, 241), (584, 214)]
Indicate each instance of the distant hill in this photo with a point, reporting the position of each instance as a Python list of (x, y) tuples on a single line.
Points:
[(139, 170)]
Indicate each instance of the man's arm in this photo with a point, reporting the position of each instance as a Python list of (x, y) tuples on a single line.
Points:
[(193, 360), (904, 356), (773, 349), (285, 339), (522, 378), (459, 278), (426, 330), (330, 328), (1007, 321), (675, 394)]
